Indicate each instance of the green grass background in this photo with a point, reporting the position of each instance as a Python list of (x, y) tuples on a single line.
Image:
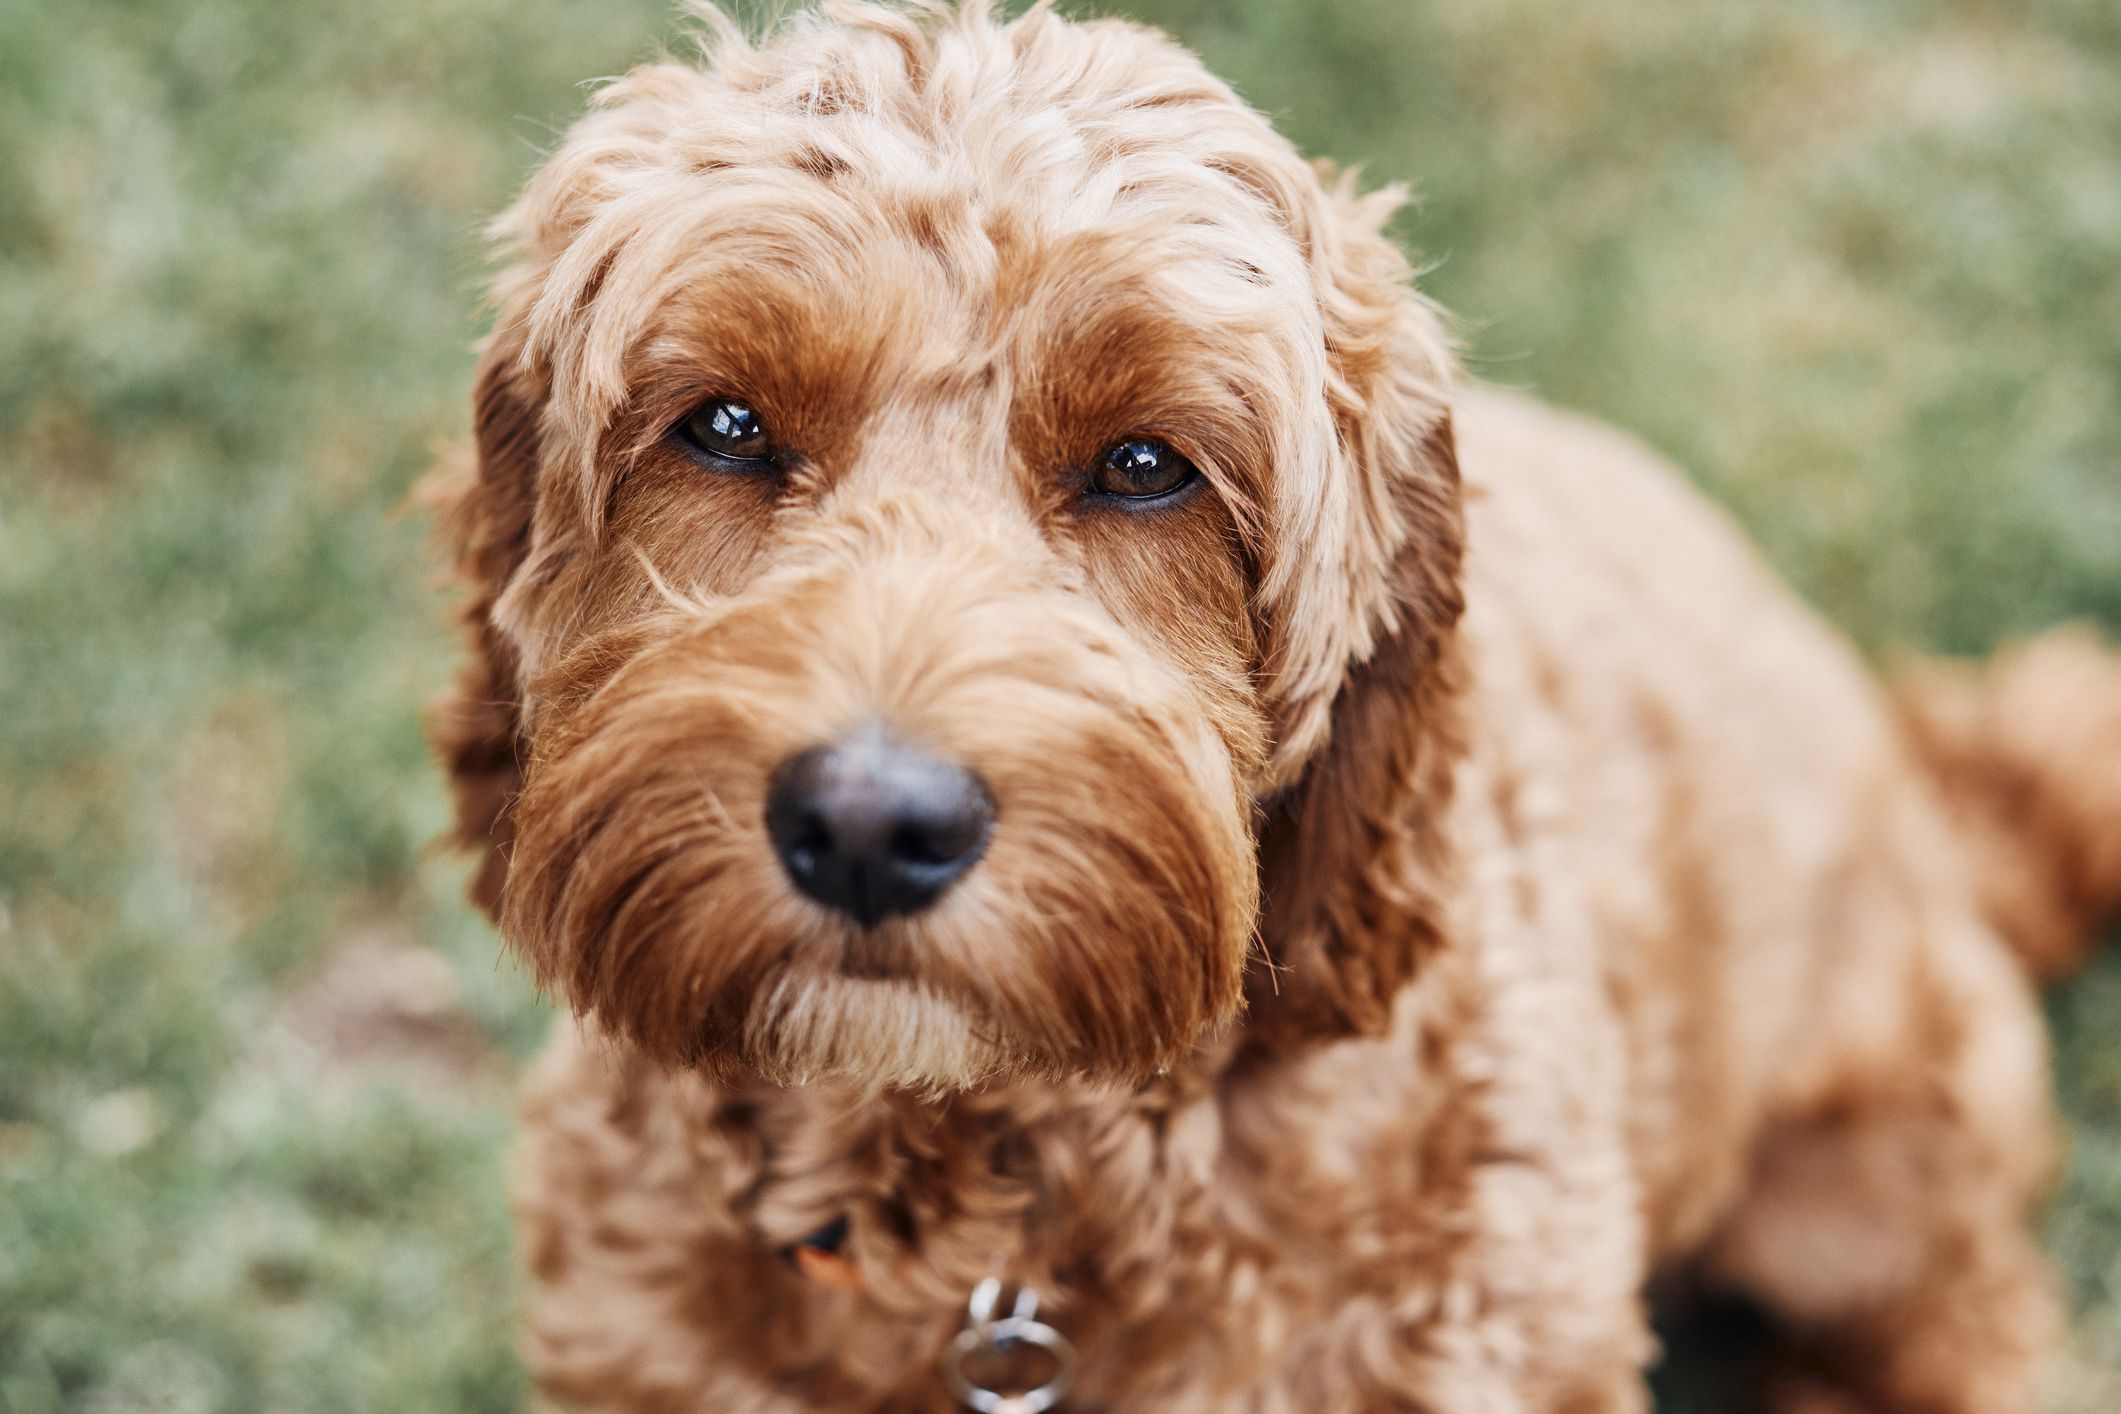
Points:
[(1856, 263)]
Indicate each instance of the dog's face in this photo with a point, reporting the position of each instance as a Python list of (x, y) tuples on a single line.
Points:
[(936, 480)]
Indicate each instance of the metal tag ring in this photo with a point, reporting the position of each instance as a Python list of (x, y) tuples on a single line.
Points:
[(994, 1335)]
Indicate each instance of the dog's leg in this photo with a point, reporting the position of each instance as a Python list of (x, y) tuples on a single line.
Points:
[(1888, 1228)]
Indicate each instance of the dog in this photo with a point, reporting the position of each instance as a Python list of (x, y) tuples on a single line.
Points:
[(1107, 818)]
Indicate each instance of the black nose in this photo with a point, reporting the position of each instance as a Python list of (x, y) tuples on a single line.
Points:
[(874, 828)]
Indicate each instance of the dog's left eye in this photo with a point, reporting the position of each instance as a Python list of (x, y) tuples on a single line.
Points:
[(1141, 469), (727, 429)]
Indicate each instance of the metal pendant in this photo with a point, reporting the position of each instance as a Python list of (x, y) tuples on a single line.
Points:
[(986, 1334)]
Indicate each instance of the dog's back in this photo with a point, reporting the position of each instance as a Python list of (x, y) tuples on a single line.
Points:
[(1837, 1070)]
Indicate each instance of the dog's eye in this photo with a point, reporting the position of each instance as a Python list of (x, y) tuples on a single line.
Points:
[(728, 429), (1141, 469)]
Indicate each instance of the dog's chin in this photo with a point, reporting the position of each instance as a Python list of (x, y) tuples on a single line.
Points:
[(882, 1032)]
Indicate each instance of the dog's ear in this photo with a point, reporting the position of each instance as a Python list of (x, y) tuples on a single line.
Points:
[(1354, 857), (485, 511), (494, 511)]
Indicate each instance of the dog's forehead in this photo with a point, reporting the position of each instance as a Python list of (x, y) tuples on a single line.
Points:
[(1038, 220), (989, 150)]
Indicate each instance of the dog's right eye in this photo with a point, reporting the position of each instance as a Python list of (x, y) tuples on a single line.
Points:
[(725, 428)]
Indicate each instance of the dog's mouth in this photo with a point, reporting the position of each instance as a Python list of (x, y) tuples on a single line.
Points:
[(877, 955)]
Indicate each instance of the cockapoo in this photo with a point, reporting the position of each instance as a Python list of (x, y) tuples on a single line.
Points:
[(1065, 760)]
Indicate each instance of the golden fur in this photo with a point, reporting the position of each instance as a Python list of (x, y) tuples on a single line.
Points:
[(1441, 880)]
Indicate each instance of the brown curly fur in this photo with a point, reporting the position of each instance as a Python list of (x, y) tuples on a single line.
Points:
[(2029, 753), (1441, 879)]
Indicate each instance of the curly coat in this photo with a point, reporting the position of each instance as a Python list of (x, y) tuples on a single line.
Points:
[(1441, 880)]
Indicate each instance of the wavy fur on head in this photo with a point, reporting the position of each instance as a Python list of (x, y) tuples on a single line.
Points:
[(950, 261), (1415, 912)]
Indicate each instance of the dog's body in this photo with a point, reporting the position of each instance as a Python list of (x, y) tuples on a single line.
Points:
[(1617, 928), (1706, 902)]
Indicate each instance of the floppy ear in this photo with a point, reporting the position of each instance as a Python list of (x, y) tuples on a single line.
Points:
[(555, 259), (1354, 856), (485, 522)]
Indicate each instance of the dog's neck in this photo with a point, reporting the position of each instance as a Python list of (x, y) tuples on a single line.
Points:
[(918, 1197)]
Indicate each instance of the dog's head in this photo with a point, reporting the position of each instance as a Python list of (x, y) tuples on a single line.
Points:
[(960, 508)]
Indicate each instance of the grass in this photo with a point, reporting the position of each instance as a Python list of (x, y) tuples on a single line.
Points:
[(1854, 262)]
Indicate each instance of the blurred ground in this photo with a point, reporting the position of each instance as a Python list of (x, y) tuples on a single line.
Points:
[(1857, 263)]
